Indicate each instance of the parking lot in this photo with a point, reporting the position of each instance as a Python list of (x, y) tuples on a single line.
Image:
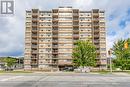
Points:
[(64, 80)]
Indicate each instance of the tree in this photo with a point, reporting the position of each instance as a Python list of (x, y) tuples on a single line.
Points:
[(9, 61), (84, 54), (122, 53)]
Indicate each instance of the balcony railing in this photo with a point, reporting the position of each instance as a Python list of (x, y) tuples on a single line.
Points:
[(96, 30), (54, 57), (34, 41), (54, 35), (34, 29), (54, 45), (34, 19), (64, 63), (96, 41), (55, 31), (34, 25), (95, 14), (75, 14), (75, 29), (33, 57), (55, 52), (96, 35), (54, 63), (54, 41), (34, 46), (34, 51), (34, 14), (75, 36)]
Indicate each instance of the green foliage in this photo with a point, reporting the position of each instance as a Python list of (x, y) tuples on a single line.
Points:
[(122, 60), (84, 54), (9, 61)]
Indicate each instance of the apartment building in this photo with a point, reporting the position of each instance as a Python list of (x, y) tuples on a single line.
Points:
[(50, 36)]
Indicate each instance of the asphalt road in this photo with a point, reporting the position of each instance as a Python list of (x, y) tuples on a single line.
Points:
[(63, 80)]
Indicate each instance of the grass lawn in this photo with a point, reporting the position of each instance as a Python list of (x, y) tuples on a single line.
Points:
[(108, 72), (101, 72), (1, 71), (128, 72)]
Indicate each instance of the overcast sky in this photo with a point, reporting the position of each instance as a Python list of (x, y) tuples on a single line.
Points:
[(12, 28)]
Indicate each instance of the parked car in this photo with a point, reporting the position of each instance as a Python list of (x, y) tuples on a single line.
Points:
[(82, 69), (9, 69), (68, 69)]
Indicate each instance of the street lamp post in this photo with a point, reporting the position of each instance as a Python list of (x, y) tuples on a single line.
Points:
[(19, 63), (110, 59)]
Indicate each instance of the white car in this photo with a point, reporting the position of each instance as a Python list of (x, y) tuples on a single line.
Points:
[(82, 69)]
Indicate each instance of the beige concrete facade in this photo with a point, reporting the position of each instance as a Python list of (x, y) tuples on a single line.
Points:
[(50, 36)]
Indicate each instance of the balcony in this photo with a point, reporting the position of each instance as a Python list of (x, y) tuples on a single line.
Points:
[(34, 46), (34, 41), (96, 35), (54, 57), (55, 14), (65, 48), (34, 35), (34, 14), (54, 46), (97, 51), (95, 14), (103, 63), (34, 51), (34, 63), (76, 30), (95, 19), (33, 58), (102, 26), (75, 14), (95, 24), (64, 63), (75, 24), (96, 30), (34, 30), (75, 41), (54, 62), (55, 25), (96, 41), (55, 19), (34, 19), (34, 25), (102, 16), (54, 52), (55, 36), (97, 46), (54, 41), (75, 36), (54, 30), (98, 62), (75, 20)]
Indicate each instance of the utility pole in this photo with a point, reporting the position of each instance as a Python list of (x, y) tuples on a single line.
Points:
[(19, 63), (110, 59)]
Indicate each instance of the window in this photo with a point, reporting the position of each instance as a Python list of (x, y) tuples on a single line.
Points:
[(48, 49), (41, 56), (103, 49), (41, 46), (103, 54)]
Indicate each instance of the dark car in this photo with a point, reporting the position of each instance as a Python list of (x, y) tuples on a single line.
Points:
[(9, 69), (68, 69)]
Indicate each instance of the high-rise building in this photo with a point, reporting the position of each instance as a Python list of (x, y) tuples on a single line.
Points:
[(50, 36)]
